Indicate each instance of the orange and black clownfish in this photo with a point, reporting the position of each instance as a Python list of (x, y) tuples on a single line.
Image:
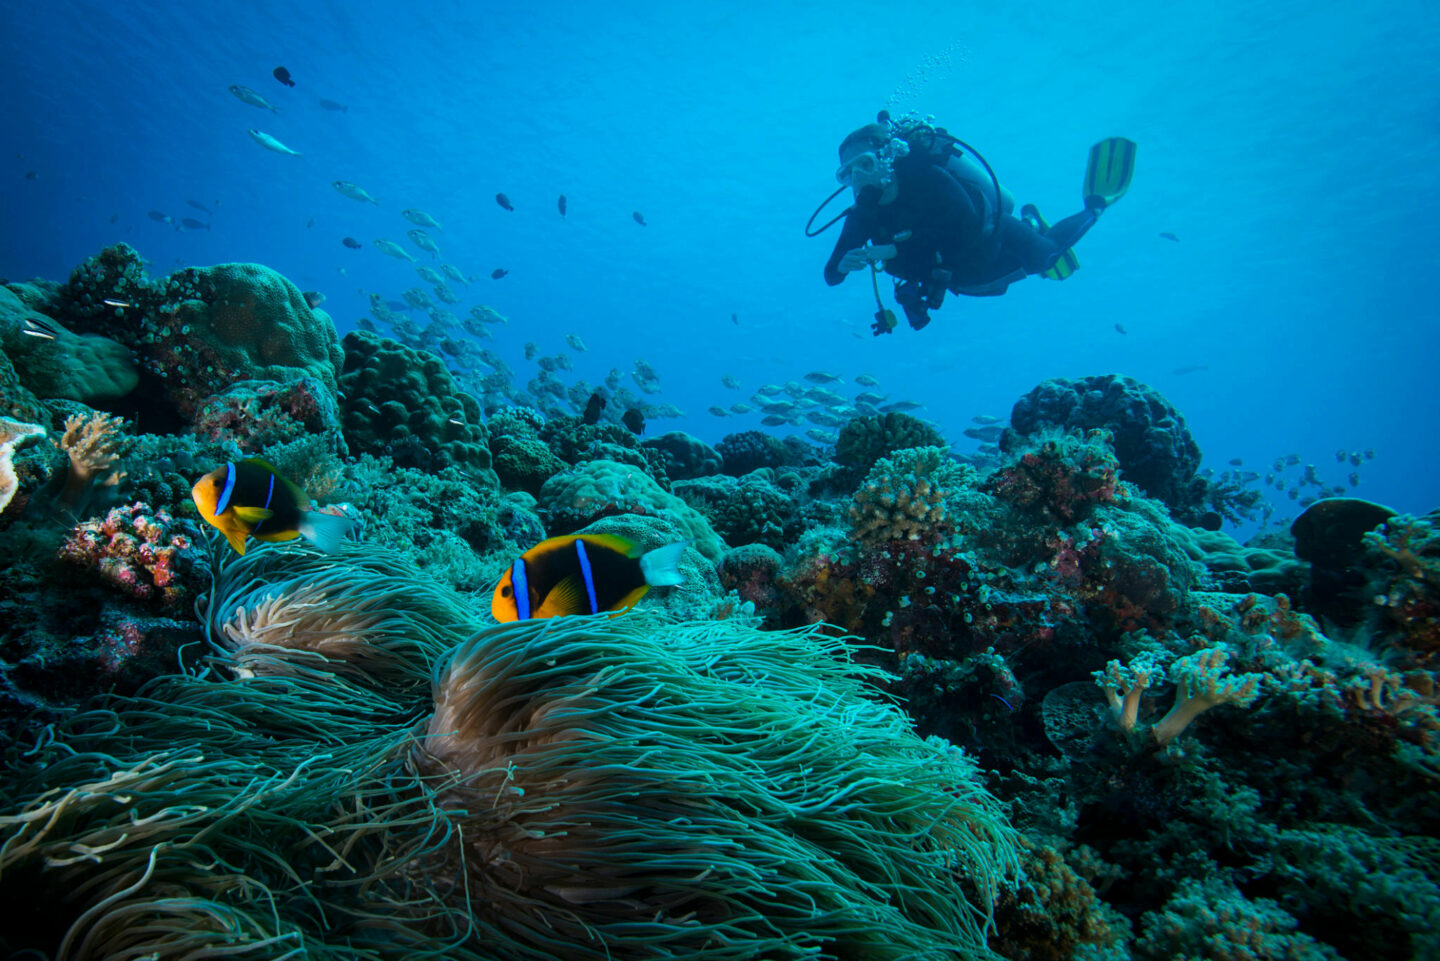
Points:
[(249, 499), (583, 574)]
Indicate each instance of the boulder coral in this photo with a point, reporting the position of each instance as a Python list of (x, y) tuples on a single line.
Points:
[(404, 404)]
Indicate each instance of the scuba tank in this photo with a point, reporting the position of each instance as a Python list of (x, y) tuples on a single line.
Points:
[(963, 163)]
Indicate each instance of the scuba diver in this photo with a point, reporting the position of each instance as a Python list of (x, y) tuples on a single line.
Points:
[(931, 213)]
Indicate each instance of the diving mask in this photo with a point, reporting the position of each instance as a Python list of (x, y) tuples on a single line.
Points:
[(866, 163)]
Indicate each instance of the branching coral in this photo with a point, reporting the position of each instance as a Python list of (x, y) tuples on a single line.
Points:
[(903, 496)]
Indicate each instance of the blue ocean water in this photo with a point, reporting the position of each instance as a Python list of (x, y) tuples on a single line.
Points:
[(1289, 146)]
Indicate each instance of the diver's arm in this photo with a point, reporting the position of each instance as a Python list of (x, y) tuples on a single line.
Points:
[(855, 233)]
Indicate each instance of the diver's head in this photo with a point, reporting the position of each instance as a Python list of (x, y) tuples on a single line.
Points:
[(867, 158)]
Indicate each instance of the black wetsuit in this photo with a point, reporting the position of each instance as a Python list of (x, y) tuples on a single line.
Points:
[(950, 230)]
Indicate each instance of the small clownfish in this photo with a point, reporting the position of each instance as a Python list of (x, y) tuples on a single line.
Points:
[(250, 499), (583, 574)]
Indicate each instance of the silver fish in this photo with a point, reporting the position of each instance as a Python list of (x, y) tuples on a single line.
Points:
[(429, 274), (420, 218), (422, 240), (454, 273), (270, 143), (822, 377), (575, 342), (354, 191), (391, 249), (251, 97)]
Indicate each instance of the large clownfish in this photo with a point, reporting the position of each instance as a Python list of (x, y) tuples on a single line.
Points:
[(583, 574), (250, 499)]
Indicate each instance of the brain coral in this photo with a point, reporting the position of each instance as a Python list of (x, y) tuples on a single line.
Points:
[(1155, 449), (604, 488), (404, 404)]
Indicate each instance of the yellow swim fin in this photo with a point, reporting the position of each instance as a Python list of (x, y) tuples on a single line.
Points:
[(1068, 262), (1107, 175)]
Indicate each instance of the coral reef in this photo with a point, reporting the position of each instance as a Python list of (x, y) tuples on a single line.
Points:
[(12, 435), (521, 459), (66, 365), (1155, 450), (576, 442), (254, 415)]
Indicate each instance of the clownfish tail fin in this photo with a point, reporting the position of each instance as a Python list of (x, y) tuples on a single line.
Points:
[(661, 566)]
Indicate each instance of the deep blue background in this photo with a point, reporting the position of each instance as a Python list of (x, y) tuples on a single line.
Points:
[(1290, 146)]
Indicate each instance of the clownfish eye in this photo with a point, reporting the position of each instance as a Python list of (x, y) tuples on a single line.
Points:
[(506, 591)]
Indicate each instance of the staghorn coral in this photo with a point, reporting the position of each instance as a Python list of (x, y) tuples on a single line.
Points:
[(903, 496)]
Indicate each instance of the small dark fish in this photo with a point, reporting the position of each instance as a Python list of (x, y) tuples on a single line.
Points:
[(735, 319), (504, 201), (1169, 236), (200, 207), (639, 218), (1190, 369), (114, 217), (192, 224), (313, 297), (332, 105), (593, 407), (498, 272), (561, 204), (309, 223), (160, 217), (1236, 462), (352, 243), (634, 421), (1120, 329), (31, 175), (283, 75)]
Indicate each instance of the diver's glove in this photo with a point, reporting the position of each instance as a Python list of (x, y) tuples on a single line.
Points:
[(912, 298), (885, 322)]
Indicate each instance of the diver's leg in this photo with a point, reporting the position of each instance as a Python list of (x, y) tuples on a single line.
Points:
[(1038, 252)]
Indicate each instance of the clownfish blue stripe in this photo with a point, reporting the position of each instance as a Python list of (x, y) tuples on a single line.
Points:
[(586, 575), (522, 590), (270, 492), (224, 500)]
